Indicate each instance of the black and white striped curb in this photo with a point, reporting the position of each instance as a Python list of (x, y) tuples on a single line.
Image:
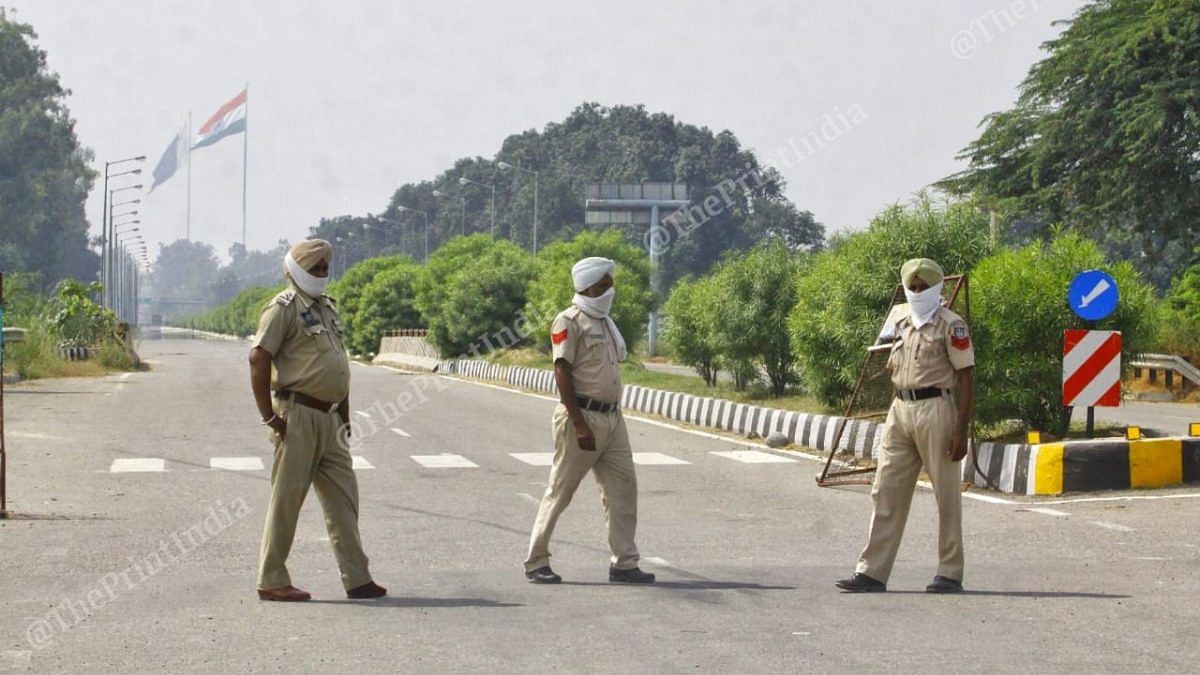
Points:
[(803, 429)]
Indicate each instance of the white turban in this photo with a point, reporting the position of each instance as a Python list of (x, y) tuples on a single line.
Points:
[(588, 271)]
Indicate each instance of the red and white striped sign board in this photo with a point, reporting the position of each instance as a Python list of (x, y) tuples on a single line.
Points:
[(1092, 368)]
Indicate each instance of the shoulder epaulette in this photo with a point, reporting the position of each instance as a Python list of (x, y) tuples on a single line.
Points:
[(285, 298)]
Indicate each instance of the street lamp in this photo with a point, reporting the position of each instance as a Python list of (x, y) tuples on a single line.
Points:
[(105, 233), (400, 207), (110, 265), (468, 181), (505, 166), (462, 220), (368, 226)]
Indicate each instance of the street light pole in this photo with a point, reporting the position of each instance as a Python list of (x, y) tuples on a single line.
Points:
[(110, 262), (506, 166), (105, 233), (425, 214), (468, 181)]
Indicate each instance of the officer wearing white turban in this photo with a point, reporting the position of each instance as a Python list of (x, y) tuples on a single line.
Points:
[(932, 356), (589, 429), (298, 350)]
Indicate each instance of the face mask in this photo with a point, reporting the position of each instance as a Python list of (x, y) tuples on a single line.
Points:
[(313, 286), (597, 307), (923, 305)]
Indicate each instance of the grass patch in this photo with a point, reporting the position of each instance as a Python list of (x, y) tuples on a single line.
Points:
[(634, 373), (37, 357)]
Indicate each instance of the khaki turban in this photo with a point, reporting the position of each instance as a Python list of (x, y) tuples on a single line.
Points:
[(311, 251), (921, 268)]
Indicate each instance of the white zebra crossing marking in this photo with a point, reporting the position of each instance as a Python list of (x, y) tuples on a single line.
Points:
[(361, 463), (655, 459), (534, 458), (1112, 526), (362, 414), (236, 463), (753, 457), (444, 461), (138, 465), (402, 432)]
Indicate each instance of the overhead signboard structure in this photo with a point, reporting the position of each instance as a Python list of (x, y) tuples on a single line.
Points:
[(639, 205)]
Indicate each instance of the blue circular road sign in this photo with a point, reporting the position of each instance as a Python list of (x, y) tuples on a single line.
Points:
[(1093, 295)]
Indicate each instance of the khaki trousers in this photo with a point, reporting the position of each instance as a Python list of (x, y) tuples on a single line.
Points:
[(310, 454), (916, 433), (612, 463)]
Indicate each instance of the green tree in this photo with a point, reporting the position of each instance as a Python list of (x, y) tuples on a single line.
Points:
[(348, 289), (552, 290), (1105, 135), (44, 174), (387, 302), (1180, 324), (473, 293), (1019, 312), (843, 295), (690, 328), (756, 293), (186, 270)]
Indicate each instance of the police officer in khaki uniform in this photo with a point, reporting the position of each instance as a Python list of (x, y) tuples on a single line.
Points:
[(298, 351), (589, 429), (931, 356)]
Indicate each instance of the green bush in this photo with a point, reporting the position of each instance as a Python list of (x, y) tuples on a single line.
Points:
[(472, 294), (78, 321), (552, 290), (843, 294), (1019, 311), (387, 302), (1180, 319), (238, 317), (690, 326), (756, 291), (348, 289)]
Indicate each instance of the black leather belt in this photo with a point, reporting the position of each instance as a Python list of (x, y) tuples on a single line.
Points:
[(596, 406), (306, 400), (920, 394)]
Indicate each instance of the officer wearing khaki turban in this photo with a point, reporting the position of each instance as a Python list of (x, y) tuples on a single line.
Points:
[(589, 429), (931, 356), (298, 351)]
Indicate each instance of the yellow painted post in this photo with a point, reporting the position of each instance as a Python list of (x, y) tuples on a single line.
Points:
[(1048, 469)]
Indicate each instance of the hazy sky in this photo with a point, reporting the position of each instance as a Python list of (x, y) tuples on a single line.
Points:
[(350, 99)]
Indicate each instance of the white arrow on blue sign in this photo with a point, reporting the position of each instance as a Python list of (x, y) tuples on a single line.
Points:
[(1093, 295)]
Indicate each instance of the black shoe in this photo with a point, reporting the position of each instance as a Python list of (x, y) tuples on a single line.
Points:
[(861, 583), (543, 575), (633, 576), (944, 585)]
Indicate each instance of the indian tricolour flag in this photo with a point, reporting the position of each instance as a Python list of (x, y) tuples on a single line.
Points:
[(229, 120)]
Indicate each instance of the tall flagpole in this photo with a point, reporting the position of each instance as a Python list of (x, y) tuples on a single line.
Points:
[(245, 155), (189, 180)]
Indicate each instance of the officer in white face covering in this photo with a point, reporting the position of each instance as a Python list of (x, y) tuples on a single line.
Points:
[(931, 357), (589, 429)]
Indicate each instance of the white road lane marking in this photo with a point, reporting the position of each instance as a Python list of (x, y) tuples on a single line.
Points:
[(534, 458), (1112, 526), (655, 560), (401, 432), (138, 465), (753, 457), (126, 376), (656, 459), (529, 498), (1130, 498), (444, 461), (362, 414), (1047, 512), (361, 463), (236, 463)]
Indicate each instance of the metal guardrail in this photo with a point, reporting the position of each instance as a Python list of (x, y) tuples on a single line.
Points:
[(406, 332), (1170, 363), (12, 334)]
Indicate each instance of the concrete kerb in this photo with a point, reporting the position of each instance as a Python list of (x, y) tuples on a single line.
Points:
[(802, 429), (1087, 466)]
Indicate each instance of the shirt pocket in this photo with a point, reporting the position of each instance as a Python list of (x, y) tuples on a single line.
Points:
[(596, 344), (318, 336), (930, 350)]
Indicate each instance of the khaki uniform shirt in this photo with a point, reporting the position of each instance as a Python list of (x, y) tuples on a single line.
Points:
[(591, 349), (930, 356), (304, 338)]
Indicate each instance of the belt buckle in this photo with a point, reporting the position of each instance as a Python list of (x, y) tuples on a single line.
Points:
[(333, 408)]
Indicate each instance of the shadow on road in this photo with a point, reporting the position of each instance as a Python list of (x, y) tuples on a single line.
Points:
[(699, 585), (1031, 594), (421, 602)]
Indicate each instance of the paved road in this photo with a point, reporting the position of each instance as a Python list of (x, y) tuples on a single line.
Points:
[(746, 552), (1172, 418)]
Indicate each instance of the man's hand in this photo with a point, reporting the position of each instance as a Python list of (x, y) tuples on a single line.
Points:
[(583, 434), (279, 425), (958, 444)]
